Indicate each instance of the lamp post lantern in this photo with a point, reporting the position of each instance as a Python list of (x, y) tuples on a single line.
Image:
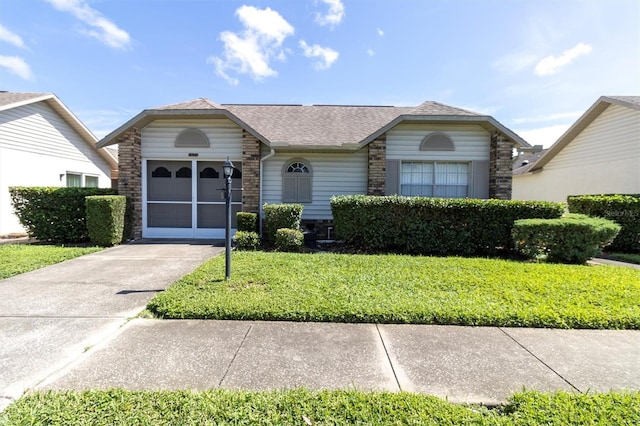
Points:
[(227, 168)]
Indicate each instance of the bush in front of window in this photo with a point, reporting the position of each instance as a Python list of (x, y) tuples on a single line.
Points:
[(442, 226), (106, 218), (53, 214), (574, 238), (289, 240), (247, 221), (277, 216), (624, 209), (247, 240)]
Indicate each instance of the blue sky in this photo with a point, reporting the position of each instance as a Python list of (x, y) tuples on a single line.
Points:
[(534, 65)]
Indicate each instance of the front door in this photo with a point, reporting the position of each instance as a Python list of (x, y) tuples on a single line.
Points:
[(185, 199)]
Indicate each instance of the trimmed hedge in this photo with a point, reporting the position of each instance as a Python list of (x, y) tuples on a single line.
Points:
[(440, 226), (105, 218), (247, 222), (54, 214), (247, 240), (277, 216), (574, 238), (289, 240), (622, 209)]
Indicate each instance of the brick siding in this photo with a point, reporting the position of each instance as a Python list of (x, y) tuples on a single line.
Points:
[(500, 167), (377, 166), (130, 175), (250, 173)]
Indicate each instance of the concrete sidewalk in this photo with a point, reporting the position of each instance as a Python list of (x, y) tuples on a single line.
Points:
[(50, 316), (464, 364)]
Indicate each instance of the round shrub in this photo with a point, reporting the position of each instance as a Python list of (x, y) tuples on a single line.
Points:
[(289, 240), (574, 238), (247, 240)]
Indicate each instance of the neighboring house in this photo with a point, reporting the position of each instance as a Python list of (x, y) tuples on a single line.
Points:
[(171, 159), (599, 154), (43, 144)]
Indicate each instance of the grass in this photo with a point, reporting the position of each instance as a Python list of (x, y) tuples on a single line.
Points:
[(20, 258), (624, 257), (405, 289), (301, 407)]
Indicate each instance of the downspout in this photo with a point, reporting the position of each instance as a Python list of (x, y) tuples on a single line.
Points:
[(266, 157)]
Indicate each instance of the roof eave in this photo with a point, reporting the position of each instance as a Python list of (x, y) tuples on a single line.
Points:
[(587, 118), (149, 115), (492, 123)]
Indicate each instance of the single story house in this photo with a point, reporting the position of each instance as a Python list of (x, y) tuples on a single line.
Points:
[(171, 157), (42, 143), (599, 154)]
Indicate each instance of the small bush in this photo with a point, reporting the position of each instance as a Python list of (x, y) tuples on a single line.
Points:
[(247, 222), (54, 214), (441, 226), (622, 209), (573, 238), (105, 219), (277, 216), (289, 240), (247, 240)]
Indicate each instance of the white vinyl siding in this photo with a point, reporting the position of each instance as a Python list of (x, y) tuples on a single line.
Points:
[(471, 142), (333, 174), (225, 137), (603, 159), (37, 148), (612, 136)]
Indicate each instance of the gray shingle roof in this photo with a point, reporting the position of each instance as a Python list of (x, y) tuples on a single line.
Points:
[(9, 98), (318, 125), (631, 100), (314, 126)]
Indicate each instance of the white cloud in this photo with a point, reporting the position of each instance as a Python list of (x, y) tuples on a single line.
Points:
[(17, 66), (326, 56), (11, 37), (551, 65), (101, 28), (544, 136), (334, 16), (380, 32), (251, 51), (371, 52)]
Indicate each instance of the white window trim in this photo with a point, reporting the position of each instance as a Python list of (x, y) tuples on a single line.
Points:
[(83, 178)]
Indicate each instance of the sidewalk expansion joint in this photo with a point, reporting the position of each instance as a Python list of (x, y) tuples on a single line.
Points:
[(386, 352), (235, 355), (540, 360)]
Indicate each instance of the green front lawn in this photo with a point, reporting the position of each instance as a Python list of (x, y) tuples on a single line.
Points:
[(20, 258), (406, 289), (304, 407)]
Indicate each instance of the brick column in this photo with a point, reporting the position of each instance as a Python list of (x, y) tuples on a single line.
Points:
[(130, 175), (377, 166), (250, 173), (500, 167)]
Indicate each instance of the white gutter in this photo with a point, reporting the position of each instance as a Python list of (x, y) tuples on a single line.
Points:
[(266, 157)]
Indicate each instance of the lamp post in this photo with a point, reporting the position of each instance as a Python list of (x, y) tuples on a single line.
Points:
[(227, 168)]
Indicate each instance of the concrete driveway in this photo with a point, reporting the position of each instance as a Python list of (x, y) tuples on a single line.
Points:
[(50, 316)]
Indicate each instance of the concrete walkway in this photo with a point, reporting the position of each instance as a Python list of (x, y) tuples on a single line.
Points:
[(69, 326)]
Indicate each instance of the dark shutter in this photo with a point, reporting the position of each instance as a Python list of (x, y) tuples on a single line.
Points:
[(392, 184), (479, 185)]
